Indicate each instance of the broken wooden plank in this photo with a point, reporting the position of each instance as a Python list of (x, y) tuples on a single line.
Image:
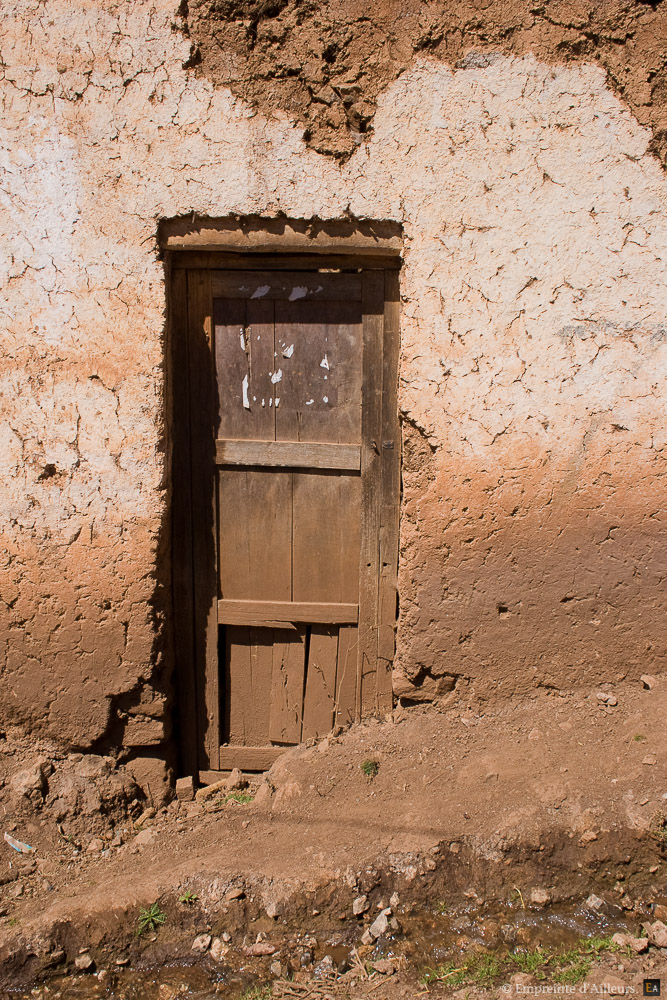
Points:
[(294, 286), (288, 454), (235, 612), (289, 652), (320, 694), (346, 676)]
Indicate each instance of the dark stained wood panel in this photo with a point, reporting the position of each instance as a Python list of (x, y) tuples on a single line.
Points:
[(244, 359), (255, 518), (250, 660), (294, 286), (318, 349)]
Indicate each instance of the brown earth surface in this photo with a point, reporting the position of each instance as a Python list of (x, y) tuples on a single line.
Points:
[(563, 793), (325, 63)]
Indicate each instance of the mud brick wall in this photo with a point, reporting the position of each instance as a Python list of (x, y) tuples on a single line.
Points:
[(518, 146)]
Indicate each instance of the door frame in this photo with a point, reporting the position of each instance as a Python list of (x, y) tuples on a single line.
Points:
[(194, 557)]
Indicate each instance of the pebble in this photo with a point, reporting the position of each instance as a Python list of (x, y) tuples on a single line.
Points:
[(660, 911), (235, 894), (606, 698), (594, 902), (146, 815), (276, 969), (649, 760), (226, 937), (588, 836), (649, 681), (218, 949), (95, 846), (144, 837), (394, 900), (325, 967), (272, 909), (638, 945), (185, 789), (381, 924), (84, 963), (540, 897), (657, 933), (360, 905), (260, 948), (201, 943)]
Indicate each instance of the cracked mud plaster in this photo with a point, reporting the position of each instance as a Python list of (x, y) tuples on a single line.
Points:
[(532, 372), (325, 64)]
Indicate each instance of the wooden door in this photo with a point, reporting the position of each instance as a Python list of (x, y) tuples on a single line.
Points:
[(294, 465)]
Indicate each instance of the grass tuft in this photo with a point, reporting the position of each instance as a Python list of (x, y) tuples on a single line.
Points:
[(151, 919), (369, 769)]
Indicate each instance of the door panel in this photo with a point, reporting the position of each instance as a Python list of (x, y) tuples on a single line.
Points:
[(296, 469)]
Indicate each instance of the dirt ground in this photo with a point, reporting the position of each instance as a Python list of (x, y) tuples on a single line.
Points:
[(475, 829)]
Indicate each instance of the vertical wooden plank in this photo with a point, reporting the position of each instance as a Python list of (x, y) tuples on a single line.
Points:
[(320, 694), (181, 527), (245, 363), (285, 717), (249, 654), (371, 443), (346, 676), (319, 540), (203, 409), (390, 492)]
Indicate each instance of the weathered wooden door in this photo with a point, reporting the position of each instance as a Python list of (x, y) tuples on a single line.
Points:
[(294, 465)]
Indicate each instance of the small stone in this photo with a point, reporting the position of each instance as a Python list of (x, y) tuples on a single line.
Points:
[(588, 836), (491, 777), (540, 897), (394, 900), (272, 909), (276, 970), (638, 945), (117, 840), (653, 869), (657, 933), (144, 837), (84, 963), (235, 894), (649, 760), (218, 949), (185, 789), (360, 905), (660, 911), (627, 903), (380, 925), (122, 961), (454, 848), (594, 902), (95, 846), (226, 937), (201, 943), (367, 937), (385, 966), (606, 698), (305, 958), (324, 968), (649, 681), (236, 781), (260, 948)]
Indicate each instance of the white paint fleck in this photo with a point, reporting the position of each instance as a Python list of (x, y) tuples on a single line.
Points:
[(289, 351), (276, 377), (326, 377), (246, 401), (325, 399), (298, 293), (324, 363), (260, 292), (242, 337), (262, 402), (309, 402), (270, 402), (277, 400), (254, 399)]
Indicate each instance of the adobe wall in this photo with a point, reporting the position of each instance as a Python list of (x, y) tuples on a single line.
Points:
[(533, 364)]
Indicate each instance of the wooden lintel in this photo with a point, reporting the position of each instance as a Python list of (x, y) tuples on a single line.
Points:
[(285, 285), (288, 454), (267, 613)]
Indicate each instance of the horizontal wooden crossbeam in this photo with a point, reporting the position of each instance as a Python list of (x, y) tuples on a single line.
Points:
[(290, 454), (276, 614), (288, 286)]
